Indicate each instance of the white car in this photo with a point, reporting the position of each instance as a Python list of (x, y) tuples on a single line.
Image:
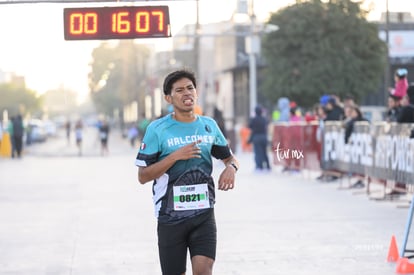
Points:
[(36, 131)]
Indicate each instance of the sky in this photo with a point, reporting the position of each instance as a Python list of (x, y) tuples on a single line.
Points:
[(32, 43)]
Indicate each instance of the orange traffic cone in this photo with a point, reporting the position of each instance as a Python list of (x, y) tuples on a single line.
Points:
[(404, 266), (393, 255)]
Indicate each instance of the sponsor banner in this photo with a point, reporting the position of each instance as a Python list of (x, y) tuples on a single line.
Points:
[(380, 150)]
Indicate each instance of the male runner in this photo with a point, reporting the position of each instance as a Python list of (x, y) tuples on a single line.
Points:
[(176, 154)]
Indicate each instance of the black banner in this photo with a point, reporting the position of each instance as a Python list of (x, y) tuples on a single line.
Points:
[(381, 150)]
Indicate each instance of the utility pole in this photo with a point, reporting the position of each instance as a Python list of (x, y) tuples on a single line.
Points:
[(197, 40), (252, 48), (387, 40)]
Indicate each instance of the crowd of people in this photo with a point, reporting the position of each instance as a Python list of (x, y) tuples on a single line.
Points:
[(331, 107)]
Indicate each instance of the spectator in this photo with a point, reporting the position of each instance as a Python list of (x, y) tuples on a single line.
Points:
[(283, 104), (18, 133), (311, 115), (349, 101), (334, 112), (321, 116), (294, 117), (258, 126), (394, 108), (406, 115), (401, 83), (355, 116), (347, 115), (276, 114)]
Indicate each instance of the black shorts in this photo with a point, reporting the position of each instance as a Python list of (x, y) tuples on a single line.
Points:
[(198, 234)]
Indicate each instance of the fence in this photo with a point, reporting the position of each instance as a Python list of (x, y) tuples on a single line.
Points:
[(381, 150)]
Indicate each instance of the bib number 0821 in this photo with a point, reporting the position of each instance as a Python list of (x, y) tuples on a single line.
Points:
[(188, 198)]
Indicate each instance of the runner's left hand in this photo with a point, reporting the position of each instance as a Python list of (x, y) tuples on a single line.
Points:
[(226, 179)]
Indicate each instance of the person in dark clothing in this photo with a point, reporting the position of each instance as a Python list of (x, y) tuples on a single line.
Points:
[(334, 112), (394, 108), (18, 132), (218, 117), (356, 115), (258, 126), (103, 136), (406, 114)]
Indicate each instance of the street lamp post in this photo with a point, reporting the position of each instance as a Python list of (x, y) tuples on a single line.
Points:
[(252, 48), (387, 41)]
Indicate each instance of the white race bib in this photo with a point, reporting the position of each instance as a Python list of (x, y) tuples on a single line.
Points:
[(190, 197)]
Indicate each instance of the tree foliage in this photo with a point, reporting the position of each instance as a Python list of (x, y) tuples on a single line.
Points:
[(18, 99), (322, 48), (116, 74)]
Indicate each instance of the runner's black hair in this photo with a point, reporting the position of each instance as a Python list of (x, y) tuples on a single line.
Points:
[(175, 76)]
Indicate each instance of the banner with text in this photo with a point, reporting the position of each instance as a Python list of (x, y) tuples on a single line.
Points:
[(381, 150)]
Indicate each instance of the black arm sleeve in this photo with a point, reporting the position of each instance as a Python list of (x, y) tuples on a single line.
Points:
[(220, 152)]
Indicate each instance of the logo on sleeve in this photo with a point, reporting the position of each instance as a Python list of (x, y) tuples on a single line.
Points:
[(143, 146)]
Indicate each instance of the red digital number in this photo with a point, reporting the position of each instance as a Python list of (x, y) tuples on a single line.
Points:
[(116, 22), (83, 23), (120, 23), (142, 21)]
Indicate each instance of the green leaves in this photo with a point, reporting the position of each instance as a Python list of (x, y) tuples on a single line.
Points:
[(322, 48), (117, 75), (18, 99)]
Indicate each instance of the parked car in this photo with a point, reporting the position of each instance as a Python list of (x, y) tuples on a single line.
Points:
[(50, 127), (36, 131)]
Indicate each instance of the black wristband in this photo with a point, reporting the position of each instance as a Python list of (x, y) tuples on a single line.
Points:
[(234, 166)]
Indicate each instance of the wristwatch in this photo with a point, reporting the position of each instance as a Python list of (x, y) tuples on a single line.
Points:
[(234, 166)]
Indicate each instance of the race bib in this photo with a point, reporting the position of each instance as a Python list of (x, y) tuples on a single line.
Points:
[(190, 197)]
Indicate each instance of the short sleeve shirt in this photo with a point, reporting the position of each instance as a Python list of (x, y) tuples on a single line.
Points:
[(166, 135)]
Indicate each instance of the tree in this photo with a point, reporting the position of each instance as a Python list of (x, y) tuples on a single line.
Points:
[(117, 74), (18, 99), (322, 48)]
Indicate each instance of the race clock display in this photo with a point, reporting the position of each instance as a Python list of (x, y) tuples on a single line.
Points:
[(101, 23)]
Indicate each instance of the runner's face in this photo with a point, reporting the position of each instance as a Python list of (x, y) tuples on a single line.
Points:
[(183, 95)]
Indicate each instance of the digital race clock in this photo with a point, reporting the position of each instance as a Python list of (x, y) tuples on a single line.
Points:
[(99, 23)]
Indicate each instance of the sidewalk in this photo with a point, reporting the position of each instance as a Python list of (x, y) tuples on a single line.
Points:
[(88, 215)]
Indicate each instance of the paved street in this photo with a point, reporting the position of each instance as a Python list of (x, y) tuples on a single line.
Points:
[(65, 214)]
